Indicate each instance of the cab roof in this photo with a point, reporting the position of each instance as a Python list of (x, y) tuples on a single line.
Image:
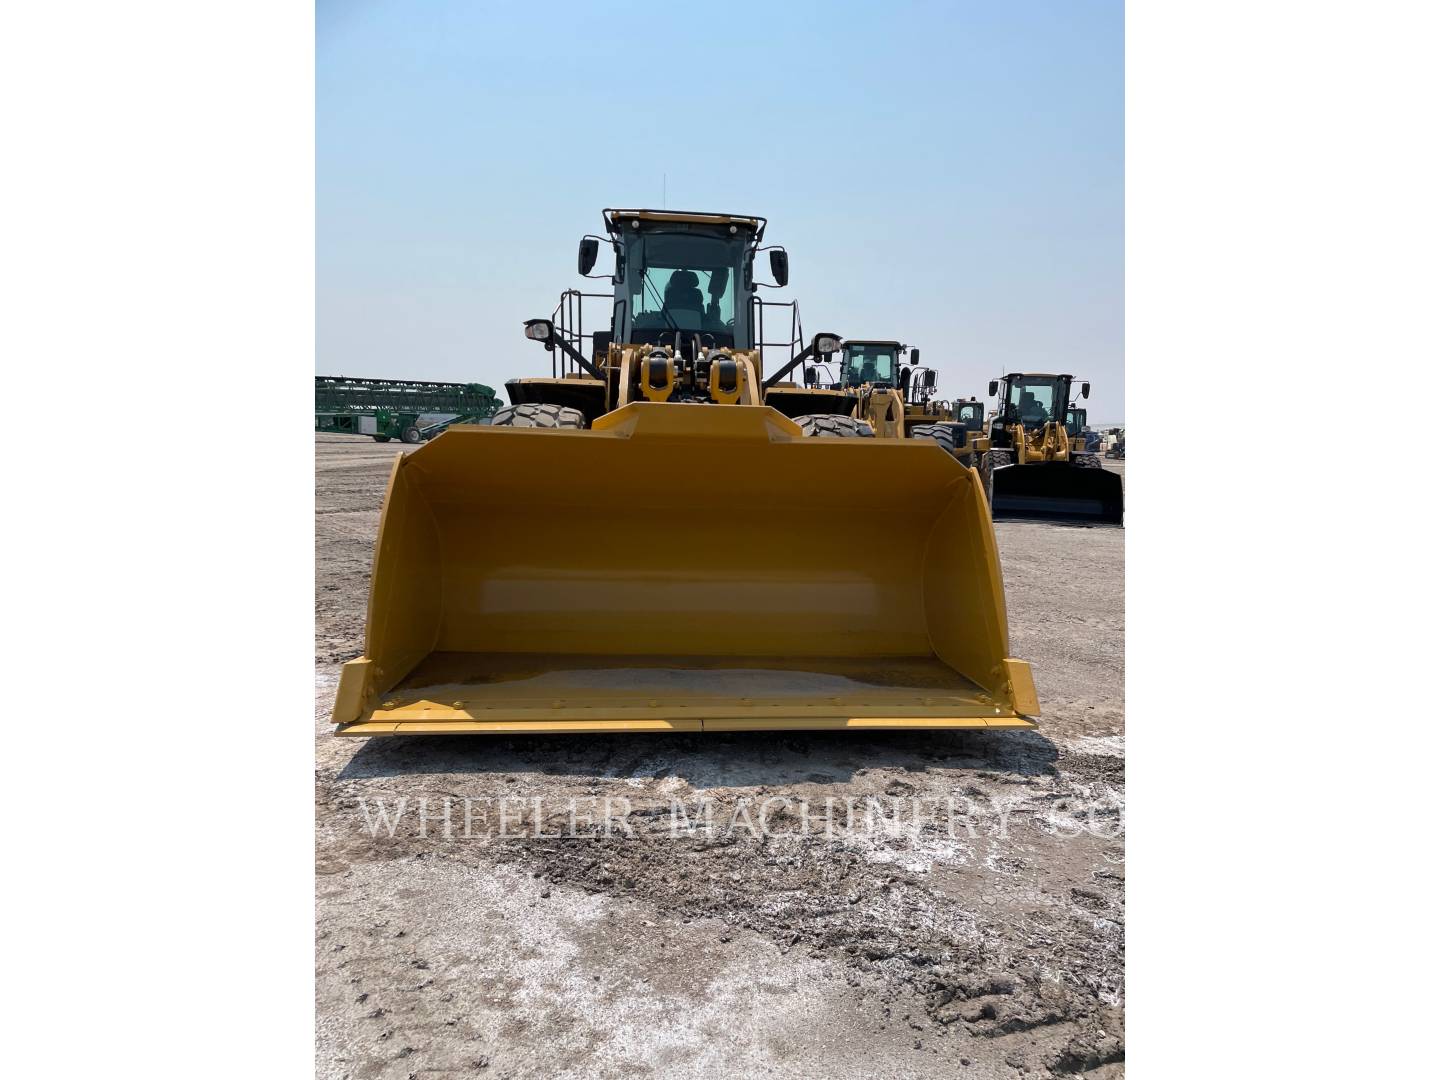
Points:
[(614, 217)]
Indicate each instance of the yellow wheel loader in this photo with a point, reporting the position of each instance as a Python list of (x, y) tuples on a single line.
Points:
[(1035, 468), (893, 398), (638, 543), (889, 396), (873, 372)]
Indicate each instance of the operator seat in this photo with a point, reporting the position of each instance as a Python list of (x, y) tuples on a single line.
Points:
[(682, 292)]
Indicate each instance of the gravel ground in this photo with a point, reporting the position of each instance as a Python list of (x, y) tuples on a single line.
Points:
[(983, 942)]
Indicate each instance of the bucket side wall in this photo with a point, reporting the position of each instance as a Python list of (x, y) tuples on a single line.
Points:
[(964, 593), (403, 623)]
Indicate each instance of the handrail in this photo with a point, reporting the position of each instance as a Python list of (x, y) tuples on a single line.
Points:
[(795, 344), (569, 320)]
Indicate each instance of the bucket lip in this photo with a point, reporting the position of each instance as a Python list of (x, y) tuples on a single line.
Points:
[(373, 728), (479, 692)]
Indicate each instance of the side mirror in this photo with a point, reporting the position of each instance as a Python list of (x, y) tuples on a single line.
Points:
[(915, 357), (825, 344), (1085, 389), (780, 266), (930, 379), (589, 250), (994, 387), (541, 330), (812, 376)]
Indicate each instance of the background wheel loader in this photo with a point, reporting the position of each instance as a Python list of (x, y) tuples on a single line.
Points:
[(1034, 468), (892, 398), (1082, 439), (629, 545), (899, 400)]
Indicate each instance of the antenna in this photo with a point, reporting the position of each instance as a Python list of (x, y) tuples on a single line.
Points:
[(664, 181)]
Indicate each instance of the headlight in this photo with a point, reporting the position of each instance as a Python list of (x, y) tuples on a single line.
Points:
[(539, 329)]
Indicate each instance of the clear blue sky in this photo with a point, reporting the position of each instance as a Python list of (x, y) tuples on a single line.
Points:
[(950, 174)]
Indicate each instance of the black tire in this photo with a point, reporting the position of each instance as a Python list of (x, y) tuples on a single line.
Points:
[(410, 435), (381, 438), (939, 432), (825, 425), (1086, 461), (539, 416), (989, 462)]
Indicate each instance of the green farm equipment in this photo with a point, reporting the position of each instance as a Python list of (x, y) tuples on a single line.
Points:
[(386, 409)]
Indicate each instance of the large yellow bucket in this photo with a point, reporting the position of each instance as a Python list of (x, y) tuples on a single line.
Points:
[(682, 568)]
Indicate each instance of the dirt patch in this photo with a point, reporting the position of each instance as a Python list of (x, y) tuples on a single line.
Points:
[(981, 934)]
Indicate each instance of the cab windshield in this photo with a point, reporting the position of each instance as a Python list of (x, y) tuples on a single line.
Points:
[(683, 281), (1075, 422), (869, 363), (1034, 399)]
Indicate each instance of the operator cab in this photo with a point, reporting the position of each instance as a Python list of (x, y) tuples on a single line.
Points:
[(970, 415), (872, 363), (1034, 400), (1031, 401), (685, 274), (684, 307)]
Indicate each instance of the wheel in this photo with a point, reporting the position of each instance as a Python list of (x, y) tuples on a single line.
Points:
[(989, 462), (1086, 461), (381, 438), (939, 432), (835, 427), (538, 416), (410, 435)]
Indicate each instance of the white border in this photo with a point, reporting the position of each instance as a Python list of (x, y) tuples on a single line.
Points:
[(1282, 242), (157, 246)]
